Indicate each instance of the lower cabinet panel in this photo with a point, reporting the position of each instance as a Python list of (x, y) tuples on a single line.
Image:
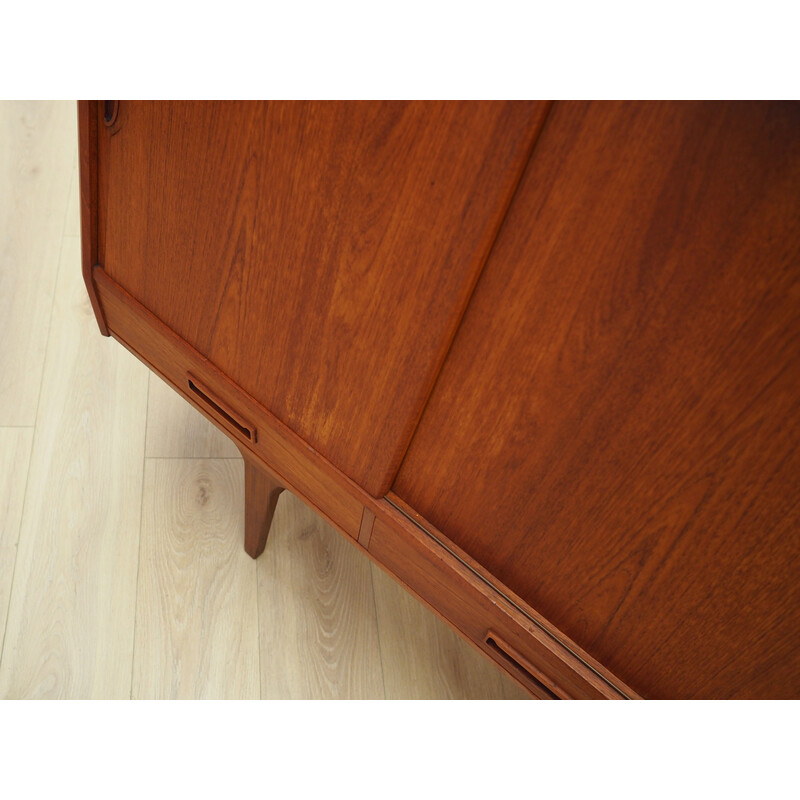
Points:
[(615, 433), (294, 463), (522, 643), (542, 660)]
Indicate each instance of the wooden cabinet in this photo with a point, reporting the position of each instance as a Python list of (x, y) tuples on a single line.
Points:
[(320, 254), (542, 361)]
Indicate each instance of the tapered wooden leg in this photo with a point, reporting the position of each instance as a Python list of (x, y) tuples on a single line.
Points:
[(261, 495)]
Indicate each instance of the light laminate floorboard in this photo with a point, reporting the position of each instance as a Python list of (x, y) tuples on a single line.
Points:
[(196, 612), (70, 619), (72, 221), (38, 155), (319, 637), (15, 452)]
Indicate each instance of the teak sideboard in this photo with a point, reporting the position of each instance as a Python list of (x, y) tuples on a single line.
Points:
[(541, 361)]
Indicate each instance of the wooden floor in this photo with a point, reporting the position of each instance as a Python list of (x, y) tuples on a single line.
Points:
[(122, 568)]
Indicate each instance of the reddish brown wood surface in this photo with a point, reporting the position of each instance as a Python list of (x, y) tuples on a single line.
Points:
[(615, 434), (261, 494), (320, 254), (544, 665), (293, 463), (432, 572), (365, 532)]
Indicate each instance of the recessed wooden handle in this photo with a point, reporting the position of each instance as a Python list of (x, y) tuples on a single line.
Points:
[(508, 655), (220, 409)]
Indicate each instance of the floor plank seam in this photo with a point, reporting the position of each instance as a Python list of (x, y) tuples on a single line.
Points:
[(36, 421), (16, 550), (377, 626), (139, 548)]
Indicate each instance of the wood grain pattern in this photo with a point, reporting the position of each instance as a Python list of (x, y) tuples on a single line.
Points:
[(336, 245), (626, 458), (36, 167), (196, 612), (176, 430), (338, 499), (319, 636), (292, 461), (70, 621), (15, 452), (75, 626), (424, 659), (453, 586)]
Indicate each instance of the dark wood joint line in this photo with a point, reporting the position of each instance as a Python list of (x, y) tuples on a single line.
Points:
[(365, 531), (535, 135)]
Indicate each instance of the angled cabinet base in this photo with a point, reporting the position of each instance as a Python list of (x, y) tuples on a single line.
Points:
[(486, 614)]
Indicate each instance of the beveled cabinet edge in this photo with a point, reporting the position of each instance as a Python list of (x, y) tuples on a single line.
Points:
[(87, 169), (608, 684), (346, 506)]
